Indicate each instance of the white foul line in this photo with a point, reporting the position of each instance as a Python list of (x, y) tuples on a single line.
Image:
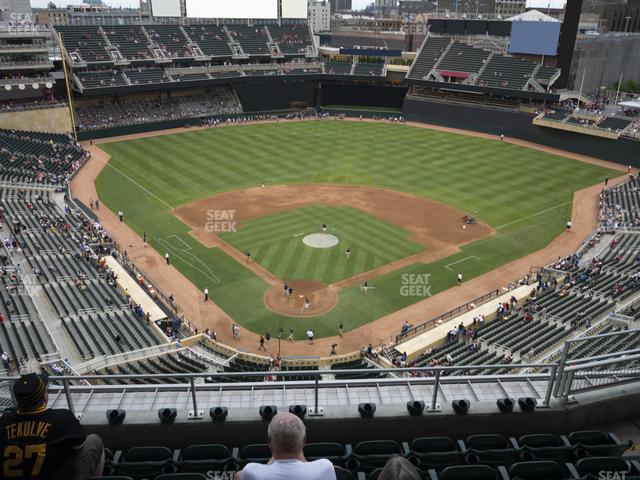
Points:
[(535, 214), (136, 183), (458, 261)]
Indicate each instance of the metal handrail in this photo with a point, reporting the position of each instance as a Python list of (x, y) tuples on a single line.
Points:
[(444, 316)]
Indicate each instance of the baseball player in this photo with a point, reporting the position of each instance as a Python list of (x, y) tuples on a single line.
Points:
[(306, 305), (348, 253), (248, 255), (286, 289), (324, 228), (365, 287), (290, 291)]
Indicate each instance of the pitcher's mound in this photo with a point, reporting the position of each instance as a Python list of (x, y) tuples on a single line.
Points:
[(320, 240), (322, 298)]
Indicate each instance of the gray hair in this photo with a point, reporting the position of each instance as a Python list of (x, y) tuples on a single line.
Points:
[(286, 433), (399, 468)]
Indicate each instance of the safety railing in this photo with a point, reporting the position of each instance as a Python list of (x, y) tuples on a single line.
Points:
[(193, 382), (447, 315), (579, 378)]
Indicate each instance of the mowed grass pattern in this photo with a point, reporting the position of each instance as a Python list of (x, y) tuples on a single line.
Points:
[(275, 242), (526, 195)]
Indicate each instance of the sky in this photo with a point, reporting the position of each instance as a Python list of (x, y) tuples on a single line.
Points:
[(356, 4)]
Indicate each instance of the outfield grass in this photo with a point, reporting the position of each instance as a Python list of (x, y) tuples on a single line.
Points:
[(275, 242), (523, 193)]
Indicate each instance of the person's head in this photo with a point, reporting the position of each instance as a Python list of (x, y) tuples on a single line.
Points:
[(30, 392), (287, 435), (399, 468)]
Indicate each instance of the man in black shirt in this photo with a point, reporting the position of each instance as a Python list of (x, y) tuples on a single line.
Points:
[(45, 444)]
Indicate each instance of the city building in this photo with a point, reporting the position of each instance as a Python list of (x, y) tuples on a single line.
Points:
[(320, 16)]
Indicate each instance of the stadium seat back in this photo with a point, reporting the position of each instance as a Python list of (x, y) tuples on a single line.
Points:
[(334, 452), (486, 442), (595, 465), (537, 470), (432, 444), (540, 440), (256, 453), (202, 458), (206, 452), (590, 437), (595, 443), (181, 476), (378, 447), (143, 462), (342, 473), (468, 472)]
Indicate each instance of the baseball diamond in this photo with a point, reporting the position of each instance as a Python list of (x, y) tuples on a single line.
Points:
[(319, 240), (170, 185)]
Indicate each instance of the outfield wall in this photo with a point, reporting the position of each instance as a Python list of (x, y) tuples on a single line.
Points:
[(275, 95), (520, 125), (361, 95)]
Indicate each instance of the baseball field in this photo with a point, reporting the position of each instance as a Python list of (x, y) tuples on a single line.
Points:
[(393, 194)]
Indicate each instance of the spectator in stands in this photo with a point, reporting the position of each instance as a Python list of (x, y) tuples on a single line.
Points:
[(287, 436), (63, 449), (399, 468)]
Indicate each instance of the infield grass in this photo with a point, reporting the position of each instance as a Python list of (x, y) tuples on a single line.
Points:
[(275, 242), (524, 194)]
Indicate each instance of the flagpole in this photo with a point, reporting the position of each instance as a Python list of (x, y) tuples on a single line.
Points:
[(581, 84), (618, 91)]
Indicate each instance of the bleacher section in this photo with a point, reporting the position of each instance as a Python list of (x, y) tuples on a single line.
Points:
[(22, 334), (615, 123), (545, 74), (130, 41), (96, 316), (151, 75), (211, 39), (368, 69), (101, 79), (171, 39), (463, 58), (580, 454), (621, 205), (33, 157), (98, 113), (85, 42), (137, 43), (457, 62), (429, 54), (507, 72), (335, 67), (183, 361), (253, 39), (292, 39)]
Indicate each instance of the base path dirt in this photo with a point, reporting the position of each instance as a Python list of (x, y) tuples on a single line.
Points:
[(208, 315), (437, 226), (322, 298)]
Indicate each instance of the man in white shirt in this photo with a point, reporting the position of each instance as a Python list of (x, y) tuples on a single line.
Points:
[(287, 435)]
